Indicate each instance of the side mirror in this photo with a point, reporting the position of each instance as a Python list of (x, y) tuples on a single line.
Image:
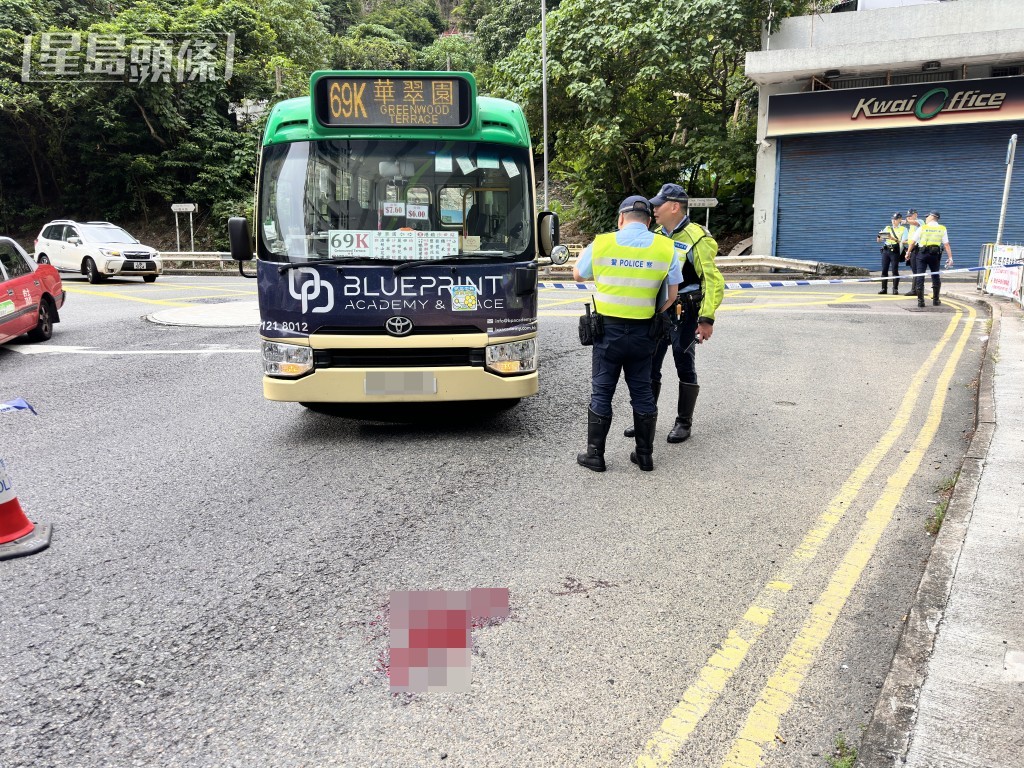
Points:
[(239, 240), (75, 240), (559, 254), (547, 232)]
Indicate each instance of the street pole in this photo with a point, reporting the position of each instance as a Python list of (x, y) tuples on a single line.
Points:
[(544, 88), (1011, 150)]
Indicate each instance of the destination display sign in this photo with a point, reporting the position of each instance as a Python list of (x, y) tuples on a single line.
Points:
[(386, 101)]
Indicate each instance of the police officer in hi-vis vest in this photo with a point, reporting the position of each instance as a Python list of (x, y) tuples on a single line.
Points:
[(628, 267), (891, 238), (930, 240), (693, 316), (910, 227)]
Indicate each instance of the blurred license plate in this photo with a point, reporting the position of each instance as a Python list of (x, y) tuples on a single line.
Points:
[(140, 265), (400, 383)]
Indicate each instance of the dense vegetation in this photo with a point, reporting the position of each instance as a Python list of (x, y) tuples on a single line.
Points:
[(639, 93)]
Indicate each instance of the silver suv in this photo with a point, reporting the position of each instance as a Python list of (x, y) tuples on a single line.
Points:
[(96, 249)]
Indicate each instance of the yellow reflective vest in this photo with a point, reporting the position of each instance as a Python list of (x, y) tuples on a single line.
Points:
[(931, 234), (696, 246), (893, 235), (626, 278)]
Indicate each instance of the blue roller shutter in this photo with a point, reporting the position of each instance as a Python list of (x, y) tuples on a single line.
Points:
[(837, 190)]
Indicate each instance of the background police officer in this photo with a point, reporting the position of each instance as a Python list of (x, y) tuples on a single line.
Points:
[(628, 268), (910, 227), (693, 316), (891, 238), (930, 239)]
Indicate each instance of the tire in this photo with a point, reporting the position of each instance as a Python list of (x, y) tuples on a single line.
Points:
[(43, 259), (44, 328), (149, 278), (91, 272), (504, 405)]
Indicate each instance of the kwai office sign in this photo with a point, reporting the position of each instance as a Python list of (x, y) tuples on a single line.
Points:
[(897, 106)]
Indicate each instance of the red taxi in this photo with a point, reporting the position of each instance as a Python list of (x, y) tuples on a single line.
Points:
[(30, 295)]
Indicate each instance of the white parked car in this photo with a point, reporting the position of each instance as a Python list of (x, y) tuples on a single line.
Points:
[(96, 249)]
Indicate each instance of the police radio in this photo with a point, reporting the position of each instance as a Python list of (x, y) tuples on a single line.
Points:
[(591, 327)]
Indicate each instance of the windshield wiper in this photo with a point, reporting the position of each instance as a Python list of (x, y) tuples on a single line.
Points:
[(339, 260), (503, 255)]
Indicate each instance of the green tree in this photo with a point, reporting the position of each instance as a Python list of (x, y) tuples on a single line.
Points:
[(371, 46), (122, 148), (643, 94), (417, 21), (504, 25), (460, 51), (342, 14)]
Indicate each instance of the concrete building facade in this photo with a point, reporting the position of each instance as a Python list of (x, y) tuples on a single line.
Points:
[(865, 113)]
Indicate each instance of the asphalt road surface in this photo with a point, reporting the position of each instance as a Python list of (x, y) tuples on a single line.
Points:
[(216, 592)]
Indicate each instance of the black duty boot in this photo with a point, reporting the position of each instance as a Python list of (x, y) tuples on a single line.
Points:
[(656, 386), (684, 419), (935, 296), (597, 433), (885, 289), (895, 287), (645, 425), (920, 296)]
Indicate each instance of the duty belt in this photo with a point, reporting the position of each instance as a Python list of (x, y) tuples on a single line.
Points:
[(609, 320)]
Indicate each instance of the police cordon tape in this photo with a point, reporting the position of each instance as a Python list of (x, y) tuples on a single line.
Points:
[(791, 283), (17, 404)]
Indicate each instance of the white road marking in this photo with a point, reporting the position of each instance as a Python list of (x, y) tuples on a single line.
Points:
[(53, 349)]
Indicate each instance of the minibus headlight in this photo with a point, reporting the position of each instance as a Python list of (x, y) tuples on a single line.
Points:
[(512, 357), (286, 359)]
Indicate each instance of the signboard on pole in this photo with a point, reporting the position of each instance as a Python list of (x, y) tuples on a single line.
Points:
[(1005, 281), (188, 208), (702, 202)]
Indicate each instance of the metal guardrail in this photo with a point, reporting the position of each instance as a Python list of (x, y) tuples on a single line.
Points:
[(221, 261), (767, 263), (770, 263), (175, 260)]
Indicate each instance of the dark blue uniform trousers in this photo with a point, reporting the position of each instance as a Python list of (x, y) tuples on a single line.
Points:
[(928, 256), (625, 348), (684, 350)]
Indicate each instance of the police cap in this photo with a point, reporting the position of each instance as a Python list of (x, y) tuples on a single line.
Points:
[(670, 193), (635, 204), (912, 211), (897, 215), (935, 214)]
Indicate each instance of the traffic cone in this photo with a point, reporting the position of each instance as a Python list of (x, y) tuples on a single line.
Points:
[(19, 536)]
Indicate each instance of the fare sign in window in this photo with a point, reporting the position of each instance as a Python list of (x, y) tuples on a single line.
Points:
[(392, 102), (395, 245)]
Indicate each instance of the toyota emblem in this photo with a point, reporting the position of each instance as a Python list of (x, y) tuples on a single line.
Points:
[(398, 326)]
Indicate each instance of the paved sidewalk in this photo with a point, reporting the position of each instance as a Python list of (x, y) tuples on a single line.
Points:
[(956, 698)]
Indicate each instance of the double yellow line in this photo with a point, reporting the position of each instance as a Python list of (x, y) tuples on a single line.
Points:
[(762, 723)]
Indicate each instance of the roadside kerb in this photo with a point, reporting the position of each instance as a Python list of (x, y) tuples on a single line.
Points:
[(887, 737)]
